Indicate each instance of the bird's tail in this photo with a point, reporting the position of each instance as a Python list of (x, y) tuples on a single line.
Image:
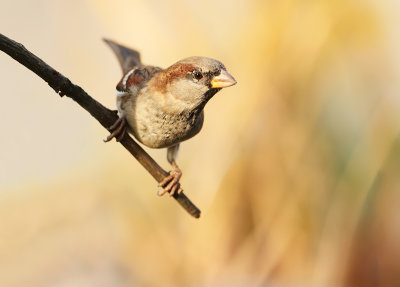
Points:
[(127, 58)]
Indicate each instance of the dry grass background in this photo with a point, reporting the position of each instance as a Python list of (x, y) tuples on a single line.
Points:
[(296, 169)]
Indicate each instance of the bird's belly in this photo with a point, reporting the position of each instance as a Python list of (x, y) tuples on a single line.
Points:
[(163, 130)]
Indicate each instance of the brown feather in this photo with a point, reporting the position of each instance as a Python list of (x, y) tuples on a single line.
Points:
[(167, 76), (137, 77)]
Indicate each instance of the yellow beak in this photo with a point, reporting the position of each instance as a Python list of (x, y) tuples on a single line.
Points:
[(223, 80)]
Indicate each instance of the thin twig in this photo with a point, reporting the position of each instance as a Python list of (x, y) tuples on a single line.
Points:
[(63, 86)]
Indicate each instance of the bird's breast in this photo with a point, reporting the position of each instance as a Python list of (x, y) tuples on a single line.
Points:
[(156, 128)]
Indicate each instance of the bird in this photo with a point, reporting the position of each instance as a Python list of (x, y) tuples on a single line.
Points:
[(163, 107)]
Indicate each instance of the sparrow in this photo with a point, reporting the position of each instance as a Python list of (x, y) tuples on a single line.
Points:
[(163, 107)]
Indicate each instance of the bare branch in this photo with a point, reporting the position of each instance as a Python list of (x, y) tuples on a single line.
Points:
[(63, 86)]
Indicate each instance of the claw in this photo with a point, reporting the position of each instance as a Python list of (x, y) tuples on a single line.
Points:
[(166, 180), (118, 130), (175, 189), (171, 183), (122, 134)]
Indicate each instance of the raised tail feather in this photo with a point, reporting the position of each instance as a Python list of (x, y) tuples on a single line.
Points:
[(127, 57)]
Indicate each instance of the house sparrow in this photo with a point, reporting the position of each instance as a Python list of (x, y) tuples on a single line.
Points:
[(163, 107)]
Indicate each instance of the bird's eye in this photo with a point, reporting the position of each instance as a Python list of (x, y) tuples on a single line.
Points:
[(197, 75)]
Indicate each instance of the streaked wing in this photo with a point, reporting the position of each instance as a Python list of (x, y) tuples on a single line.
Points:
[(135, 78), (127, 57)]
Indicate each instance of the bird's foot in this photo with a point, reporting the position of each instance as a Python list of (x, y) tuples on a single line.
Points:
[(118, 130), (171, 183)]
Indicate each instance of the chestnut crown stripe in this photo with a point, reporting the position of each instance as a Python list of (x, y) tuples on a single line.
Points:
[(172, 73)]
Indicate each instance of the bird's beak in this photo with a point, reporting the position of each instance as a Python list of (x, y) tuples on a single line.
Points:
[(223, 80)]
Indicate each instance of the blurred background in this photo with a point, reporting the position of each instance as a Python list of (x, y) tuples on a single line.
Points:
[(296, 170)]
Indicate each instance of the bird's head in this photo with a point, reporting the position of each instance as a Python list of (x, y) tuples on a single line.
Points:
[(193, 81)]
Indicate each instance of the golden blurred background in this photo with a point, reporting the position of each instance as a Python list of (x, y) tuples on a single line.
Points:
[(296, 170)]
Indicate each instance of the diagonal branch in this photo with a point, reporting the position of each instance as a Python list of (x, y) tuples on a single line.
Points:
[(63, 86)]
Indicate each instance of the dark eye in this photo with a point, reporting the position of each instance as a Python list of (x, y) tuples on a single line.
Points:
[(197, 75)]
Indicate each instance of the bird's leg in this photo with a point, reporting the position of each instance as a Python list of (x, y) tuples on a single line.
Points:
[(171, 183), (118, 130)]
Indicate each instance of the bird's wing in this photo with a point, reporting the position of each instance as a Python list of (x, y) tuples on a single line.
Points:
[(127, 57), (135, 78)]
